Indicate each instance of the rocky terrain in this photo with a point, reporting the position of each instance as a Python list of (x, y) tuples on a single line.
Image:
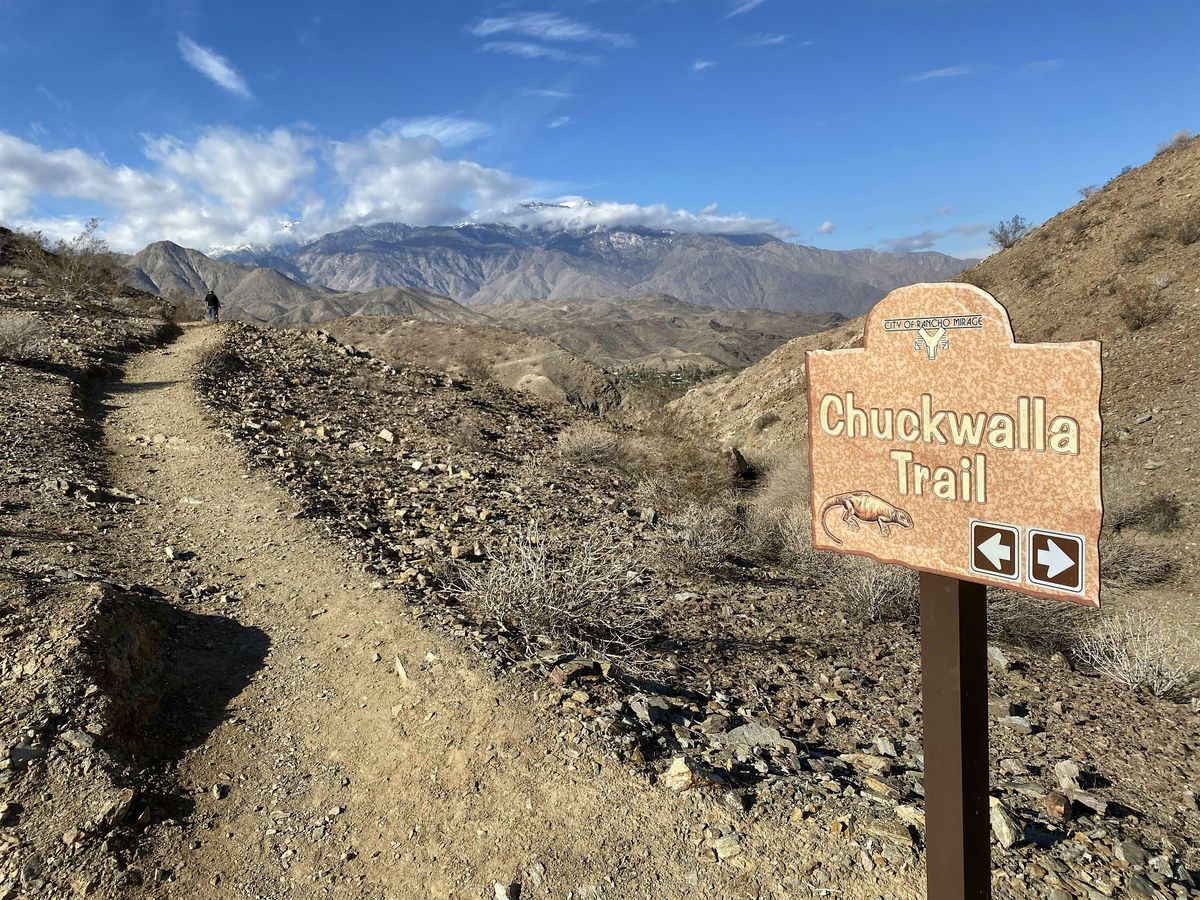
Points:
[(477, 264), (261, 294)]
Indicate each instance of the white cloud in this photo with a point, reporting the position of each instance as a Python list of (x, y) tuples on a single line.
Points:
[(548, 27), (451, 131), (576, 212), (213, 66), (767, 40), (826, 227), (701, 64), (925, 240), (540, 51), (1041, 66), (743, 6), (949, 72), (559, 122), (547, 93), (230, 186)]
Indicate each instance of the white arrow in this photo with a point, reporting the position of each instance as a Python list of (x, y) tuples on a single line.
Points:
[(1053, 558), (996, 551)]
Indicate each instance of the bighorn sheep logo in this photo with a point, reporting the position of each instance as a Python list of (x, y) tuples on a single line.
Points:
[(931, 341)]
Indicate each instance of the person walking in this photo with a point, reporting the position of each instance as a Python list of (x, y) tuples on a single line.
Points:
[(213, 305)]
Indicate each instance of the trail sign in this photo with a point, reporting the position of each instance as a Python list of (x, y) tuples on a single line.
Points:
[(944, 446)]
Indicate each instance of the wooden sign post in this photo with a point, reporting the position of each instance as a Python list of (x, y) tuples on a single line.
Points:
[(944, 446)]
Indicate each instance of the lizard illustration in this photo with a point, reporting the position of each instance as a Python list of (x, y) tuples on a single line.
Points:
[(863, 506)]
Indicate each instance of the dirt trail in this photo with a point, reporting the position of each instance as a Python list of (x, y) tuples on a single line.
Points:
[(334, 774)]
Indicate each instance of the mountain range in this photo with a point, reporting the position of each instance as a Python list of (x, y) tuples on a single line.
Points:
[(480, 264), (263, 294)]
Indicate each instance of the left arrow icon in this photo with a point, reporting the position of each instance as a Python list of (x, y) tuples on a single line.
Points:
[(996, 551)]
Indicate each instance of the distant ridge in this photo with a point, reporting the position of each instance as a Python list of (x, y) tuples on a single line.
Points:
[(478, 264), (263, 294)]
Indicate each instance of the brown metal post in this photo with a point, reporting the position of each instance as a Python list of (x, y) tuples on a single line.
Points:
[(954, 703)]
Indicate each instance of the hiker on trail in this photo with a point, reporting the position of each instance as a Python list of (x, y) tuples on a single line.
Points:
[(213, 305)]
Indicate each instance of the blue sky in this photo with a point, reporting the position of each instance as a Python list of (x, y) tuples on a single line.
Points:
[(898, 124)]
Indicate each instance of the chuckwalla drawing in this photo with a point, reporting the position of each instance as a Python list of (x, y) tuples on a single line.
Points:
[(863, 506)]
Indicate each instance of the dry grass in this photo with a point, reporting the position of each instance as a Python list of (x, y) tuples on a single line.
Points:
[(590, 443), (1139, 650), (577, 594), (475, 366), (675, 468), (24, 337), (1127, 563)]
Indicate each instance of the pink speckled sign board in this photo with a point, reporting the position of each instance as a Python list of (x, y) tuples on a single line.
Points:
[(944, 446)]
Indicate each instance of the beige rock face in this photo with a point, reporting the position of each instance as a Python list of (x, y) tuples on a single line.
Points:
[(944, 446)]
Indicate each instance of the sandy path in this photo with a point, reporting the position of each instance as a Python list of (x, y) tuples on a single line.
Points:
[(336, 775)]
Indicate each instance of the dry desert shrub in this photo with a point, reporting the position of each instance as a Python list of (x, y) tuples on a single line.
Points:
[(580, 594), (1186, 227), (706, 536), (1127, 563), (878, 593), (1043, 625), (475, 365), (82, 268), (1139, 650), (1130, 505), (23, 336), (1178, 141), (676, 469), (1143, 305), (218, 363), (589, 443)]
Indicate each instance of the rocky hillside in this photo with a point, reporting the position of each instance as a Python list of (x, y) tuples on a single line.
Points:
[(262, 294), (485, 263), (658, 331)]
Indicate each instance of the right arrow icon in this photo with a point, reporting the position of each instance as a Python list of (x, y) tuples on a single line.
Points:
[(1056, 560)]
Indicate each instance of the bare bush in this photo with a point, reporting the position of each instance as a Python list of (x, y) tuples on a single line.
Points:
[(23, 336), (82, 268), (878, 593), (1020, 621), (706, 536), (589, 443), (1006, 234), (218, 363), (1139, 650), (1178, 141), (577, 593), (476, 366), (1185, 228), (1127, 563), (1142, 306), (1129, 505), (766, 420), (1089, 190), (676, 468)]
